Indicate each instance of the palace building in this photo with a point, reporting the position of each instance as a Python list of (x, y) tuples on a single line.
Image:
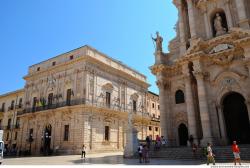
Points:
[(79, 97), (204, 79)]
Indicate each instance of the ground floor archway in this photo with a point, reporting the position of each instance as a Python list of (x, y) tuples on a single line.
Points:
[(236, 118), (46, 149), (183, 134)]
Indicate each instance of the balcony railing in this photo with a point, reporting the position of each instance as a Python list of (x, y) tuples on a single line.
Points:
[(82, 101), (153, 118), (10, 108), (8, 127)]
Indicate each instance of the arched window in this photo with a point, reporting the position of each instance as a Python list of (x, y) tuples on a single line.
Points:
[(219, 23), (179, 97)]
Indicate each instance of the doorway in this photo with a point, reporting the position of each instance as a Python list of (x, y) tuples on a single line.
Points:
[(183, 134), (236, 118)]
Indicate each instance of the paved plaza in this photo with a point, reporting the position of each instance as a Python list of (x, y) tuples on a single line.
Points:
[(98, 159)]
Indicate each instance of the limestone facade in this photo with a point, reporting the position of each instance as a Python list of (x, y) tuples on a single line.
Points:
[(79, 97), (208, 63)]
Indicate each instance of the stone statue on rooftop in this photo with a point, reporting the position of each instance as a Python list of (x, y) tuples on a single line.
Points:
[(158, 41)]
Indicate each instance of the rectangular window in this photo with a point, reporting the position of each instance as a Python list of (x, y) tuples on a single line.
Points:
[(20, 103), (106, 133), (54, 63), (156, 128), (7, 137), (134, 105), (71, 57), (68, 97), (9, 123), (149, 128), (16, 136), (158, 107), (17, 122), (3, 107), (12, 104), (153, 105), (50, 100), (38, 69), (31, 134), (34, 103), (108, 99), (66, 132)]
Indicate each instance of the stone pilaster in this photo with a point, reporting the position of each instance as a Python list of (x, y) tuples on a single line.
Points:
[(181, 30), (243, 21), (222, 125), (191, 14), (189, 99), (247, 103), (229, 16), (207, 26), (166, 118), (204, 112)]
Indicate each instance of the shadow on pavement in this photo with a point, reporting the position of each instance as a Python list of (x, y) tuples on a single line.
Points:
[(118, 159)]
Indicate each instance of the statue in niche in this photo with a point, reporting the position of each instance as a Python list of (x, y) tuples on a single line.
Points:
[(158, 41), (219, 29)]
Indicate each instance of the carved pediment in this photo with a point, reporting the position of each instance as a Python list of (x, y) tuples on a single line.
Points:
[(134, 96), (221, 47), (108, 87), (228, 78)]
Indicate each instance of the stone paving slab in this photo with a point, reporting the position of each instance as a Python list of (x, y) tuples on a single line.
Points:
[(96, 159)]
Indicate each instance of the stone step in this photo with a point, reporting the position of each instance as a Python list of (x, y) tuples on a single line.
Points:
[(222, 153)]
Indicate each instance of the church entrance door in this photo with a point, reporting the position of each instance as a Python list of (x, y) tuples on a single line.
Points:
[(236, 118), (183, 134)]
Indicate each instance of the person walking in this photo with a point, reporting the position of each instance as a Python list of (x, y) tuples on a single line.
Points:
[(210, 155), (236, 152), (145, 154), (191, 140), (83, 151), (194, 149), (148, 141), (140, 148)]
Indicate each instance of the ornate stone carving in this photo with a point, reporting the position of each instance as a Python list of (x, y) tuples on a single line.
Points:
[(164, 84), (221, 47)]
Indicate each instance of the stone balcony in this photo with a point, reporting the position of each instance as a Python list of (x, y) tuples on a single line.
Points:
[(97, 106)]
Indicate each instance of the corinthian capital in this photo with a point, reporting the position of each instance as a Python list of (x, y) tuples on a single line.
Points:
[(163, 84)]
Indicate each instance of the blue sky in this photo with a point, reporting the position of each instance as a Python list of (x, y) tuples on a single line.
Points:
[(34, 30)]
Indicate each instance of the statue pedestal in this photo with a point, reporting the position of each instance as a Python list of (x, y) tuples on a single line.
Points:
[(131, 143)]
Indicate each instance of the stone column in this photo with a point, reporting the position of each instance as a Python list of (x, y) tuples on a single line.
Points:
[(181, 30), (207, 25), (131, 138), (191, 15), (203, 103), (166, 118), (222, 125), (247, 103), (204, 112), (189, 99), (243, 21), (229, 16)]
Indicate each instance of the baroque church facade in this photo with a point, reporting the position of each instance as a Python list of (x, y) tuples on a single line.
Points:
[(204, 79), (79, 97)]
